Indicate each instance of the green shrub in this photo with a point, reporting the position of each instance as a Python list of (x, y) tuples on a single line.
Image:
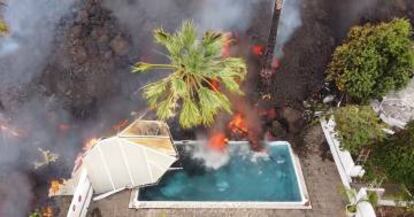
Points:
[(373, 60), (395, 156), (358, 127)]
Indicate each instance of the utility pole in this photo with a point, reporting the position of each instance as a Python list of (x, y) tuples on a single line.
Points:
[(268, 67)]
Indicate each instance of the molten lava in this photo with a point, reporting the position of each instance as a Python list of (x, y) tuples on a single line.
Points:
[(257, 50), (218, 141), (55, 186), (238, 124), (47, 212)]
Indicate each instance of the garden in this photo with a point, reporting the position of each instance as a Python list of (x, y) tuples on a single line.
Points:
[(374, 60)]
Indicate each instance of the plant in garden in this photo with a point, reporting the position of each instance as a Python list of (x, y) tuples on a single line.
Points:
[(35, 213), (197, 76), (3, 27), (408, 197), (395, 156), (358, 127), (373, 60), (350, 195)]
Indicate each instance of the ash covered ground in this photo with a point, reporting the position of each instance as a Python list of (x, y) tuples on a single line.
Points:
[(65, 70)]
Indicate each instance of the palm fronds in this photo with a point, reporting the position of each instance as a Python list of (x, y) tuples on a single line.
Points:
[(196, 67)]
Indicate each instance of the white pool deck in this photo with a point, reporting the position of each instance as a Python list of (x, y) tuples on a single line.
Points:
[(303, 204)]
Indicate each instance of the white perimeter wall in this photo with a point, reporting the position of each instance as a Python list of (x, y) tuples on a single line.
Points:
[(347, 168), (82, 197)]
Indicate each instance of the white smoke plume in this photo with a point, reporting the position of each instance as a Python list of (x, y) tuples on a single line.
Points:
[(290, 21), (15, 194), (211, 159), (226, 15), (24, 52)]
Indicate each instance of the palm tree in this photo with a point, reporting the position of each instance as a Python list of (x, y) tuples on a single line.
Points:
[(199, 76)]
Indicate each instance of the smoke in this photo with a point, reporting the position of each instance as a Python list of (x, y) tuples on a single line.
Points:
[(353, 11), (211, 159), (15, 194), (290, 21), (28, 122), (137, 15), (24, 52), (226, 14)]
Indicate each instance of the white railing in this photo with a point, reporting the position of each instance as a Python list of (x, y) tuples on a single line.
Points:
[(82, 197), (346, 166)]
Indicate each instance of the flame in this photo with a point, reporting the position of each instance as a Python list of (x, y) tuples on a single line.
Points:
[(218, 141), (55, 186), (47, 212), (257, 50), (238, 124)]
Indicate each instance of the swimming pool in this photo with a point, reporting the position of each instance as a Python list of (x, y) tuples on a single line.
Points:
[(270, 180)]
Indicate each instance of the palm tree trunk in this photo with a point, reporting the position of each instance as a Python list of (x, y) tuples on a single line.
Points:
[(266, 70)]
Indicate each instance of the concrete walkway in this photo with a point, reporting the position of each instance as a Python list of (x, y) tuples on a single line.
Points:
[(321, 177)]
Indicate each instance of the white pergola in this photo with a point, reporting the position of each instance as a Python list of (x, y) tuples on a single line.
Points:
[(137, 156)]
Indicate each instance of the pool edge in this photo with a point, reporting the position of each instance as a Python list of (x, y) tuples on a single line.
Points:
[(303, 204)]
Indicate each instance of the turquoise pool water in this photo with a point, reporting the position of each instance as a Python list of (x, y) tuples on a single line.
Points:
[(245, 177)]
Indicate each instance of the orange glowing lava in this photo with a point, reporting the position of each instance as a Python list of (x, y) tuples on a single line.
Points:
[(238, 124), (55, 186), (218, 141), (257, 50), (47, 212)]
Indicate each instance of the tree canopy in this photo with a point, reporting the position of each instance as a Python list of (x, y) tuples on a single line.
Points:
[(198, 78), (373, 60)]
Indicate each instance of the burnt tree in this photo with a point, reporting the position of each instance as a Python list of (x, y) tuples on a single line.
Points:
[(267, 67)]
